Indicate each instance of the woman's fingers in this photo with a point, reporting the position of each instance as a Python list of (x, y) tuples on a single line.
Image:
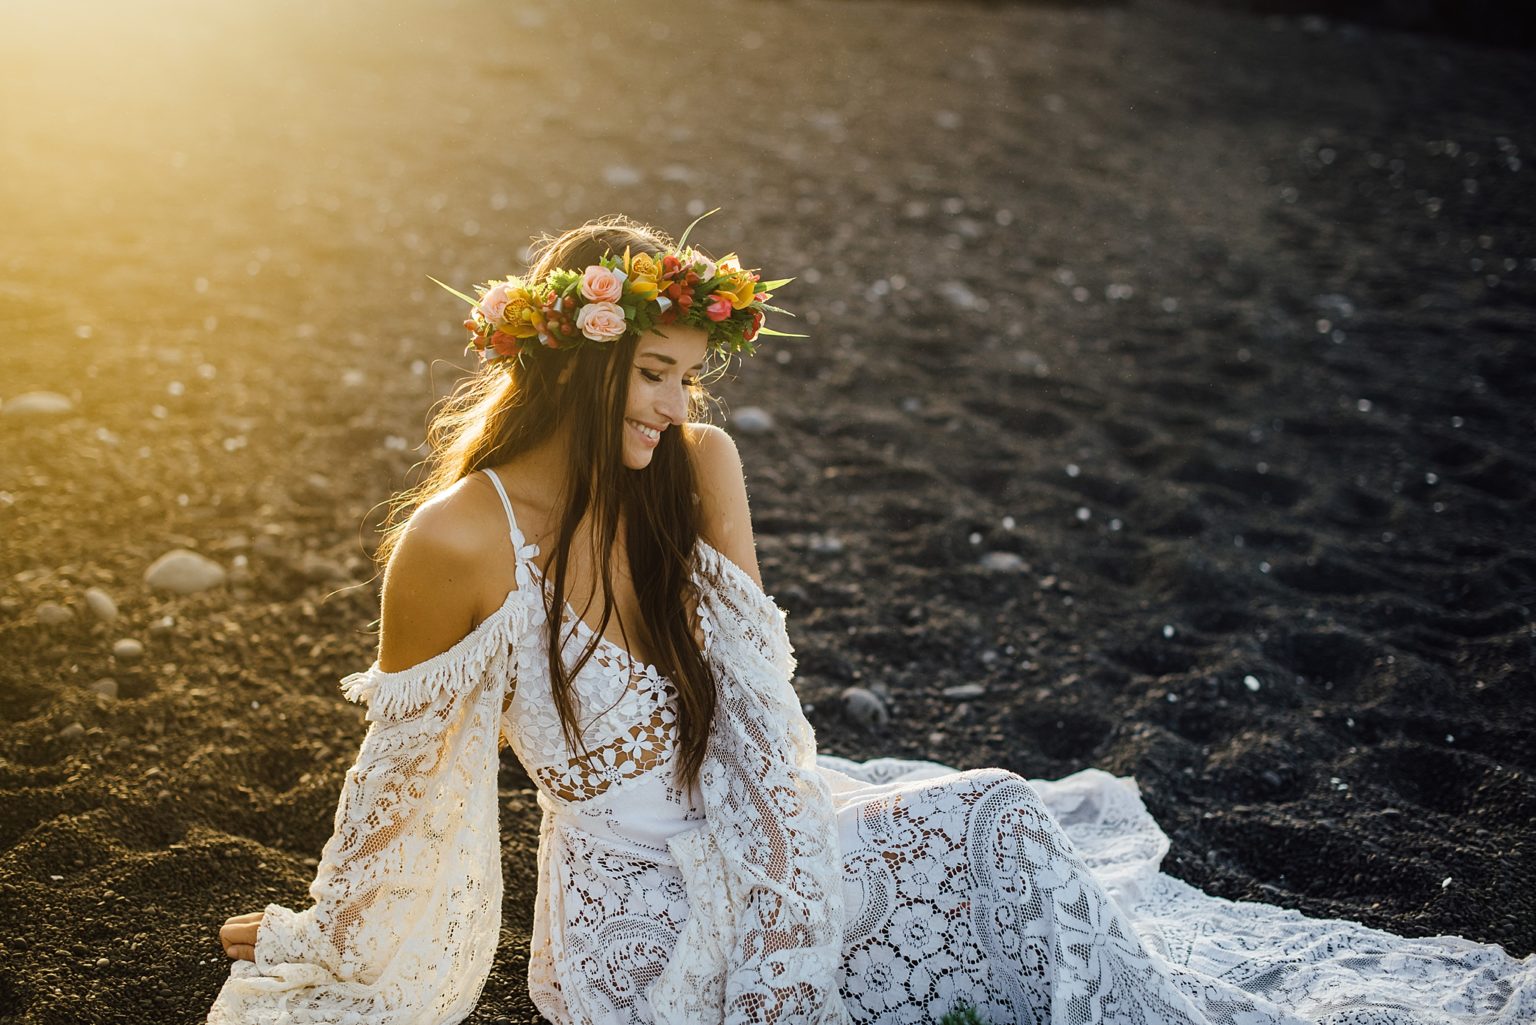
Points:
[(238, 935)]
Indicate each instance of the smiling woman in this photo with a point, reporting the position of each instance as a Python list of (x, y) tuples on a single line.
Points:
[(698, 860), (658, 395)]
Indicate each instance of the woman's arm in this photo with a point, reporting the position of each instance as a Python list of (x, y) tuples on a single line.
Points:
[(725, 519), (407, 895), (427, 607)]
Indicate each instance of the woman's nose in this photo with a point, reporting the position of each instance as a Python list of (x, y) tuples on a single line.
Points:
[(674, 404)]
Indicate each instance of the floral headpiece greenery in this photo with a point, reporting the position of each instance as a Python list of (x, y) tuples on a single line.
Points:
[(636, 293)]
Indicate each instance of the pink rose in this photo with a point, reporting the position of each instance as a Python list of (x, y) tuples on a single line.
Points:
[(602, 321), (719, 307), (494, 303), (601, 285)]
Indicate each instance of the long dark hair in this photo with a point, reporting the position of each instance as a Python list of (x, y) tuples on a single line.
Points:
[(499, 413)]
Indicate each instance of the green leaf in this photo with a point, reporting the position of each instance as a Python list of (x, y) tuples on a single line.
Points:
[(769, 286), (779, 334), (682, 243), (455, 291), (775, 309)]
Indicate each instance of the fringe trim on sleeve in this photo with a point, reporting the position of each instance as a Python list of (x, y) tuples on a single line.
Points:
[(401, 694)]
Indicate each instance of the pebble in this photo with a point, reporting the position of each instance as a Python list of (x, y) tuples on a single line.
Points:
[(1272, 778), (752, 420), (101, 604), (51, 613), (826, 544), (73, 730), (1004, 562), (106, 687), (183, 572), (314, 567), (128, 649), (162, 626), (38, 403), (864, 707), (1251, 682), (965, 691)]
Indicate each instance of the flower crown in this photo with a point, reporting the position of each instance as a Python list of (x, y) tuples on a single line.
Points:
[(636, 293)]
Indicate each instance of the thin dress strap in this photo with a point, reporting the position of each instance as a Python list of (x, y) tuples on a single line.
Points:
[(506, 503)]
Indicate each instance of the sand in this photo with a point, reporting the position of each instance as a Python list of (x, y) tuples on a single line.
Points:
[(1221, 324)]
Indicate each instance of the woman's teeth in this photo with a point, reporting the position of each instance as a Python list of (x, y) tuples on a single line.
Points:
[(649, 432)]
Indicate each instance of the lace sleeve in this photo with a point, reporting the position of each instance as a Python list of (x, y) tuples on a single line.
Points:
[(407, 897), (763, 940)]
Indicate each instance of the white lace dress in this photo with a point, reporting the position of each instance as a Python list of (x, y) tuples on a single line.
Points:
[(786, 887)]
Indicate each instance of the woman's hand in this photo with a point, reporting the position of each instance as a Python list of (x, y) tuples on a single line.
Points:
[(239, 936)]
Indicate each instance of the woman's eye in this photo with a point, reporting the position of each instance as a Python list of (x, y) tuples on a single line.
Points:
[(651, 375)]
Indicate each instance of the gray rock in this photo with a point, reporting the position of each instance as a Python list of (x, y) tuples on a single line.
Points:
[(38, 403), (51, 613), (752, 420), (318, 568), (128, 649), (965, 691), (101, 604), (825, 544), (183, 572), (1004, 562), (106, 687), (864, 707)]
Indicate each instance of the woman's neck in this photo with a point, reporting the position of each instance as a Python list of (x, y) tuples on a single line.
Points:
[(546, 465)]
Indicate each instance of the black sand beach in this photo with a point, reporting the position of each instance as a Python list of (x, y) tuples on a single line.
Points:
[(1170, 378)]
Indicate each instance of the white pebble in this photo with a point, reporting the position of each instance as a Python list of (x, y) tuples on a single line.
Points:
[(1251, 682), (183, 572), (826, 544), (1167, 629), (50, 613), (1003, 562), (128, 649), (101, 603), (965, 691), (106, 687), (38, 403)]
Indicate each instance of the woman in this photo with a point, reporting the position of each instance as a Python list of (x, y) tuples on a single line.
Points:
[(577, 575)]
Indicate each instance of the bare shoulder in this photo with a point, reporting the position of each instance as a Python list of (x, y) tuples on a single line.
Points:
[(439, 581), (725, 518)]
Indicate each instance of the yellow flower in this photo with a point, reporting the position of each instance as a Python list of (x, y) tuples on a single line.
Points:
[(522, 316), (740, 288), (644, 276)]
